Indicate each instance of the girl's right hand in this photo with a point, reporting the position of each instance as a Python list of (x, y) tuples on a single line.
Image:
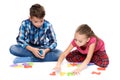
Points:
[(57, 68)]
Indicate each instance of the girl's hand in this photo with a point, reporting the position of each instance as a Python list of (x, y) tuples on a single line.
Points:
[(79, 69), (57, 68)]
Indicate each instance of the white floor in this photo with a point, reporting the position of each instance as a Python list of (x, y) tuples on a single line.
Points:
[(41, 71)]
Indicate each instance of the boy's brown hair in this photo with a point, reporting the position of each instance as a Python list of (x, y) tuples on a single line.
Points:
[(37, 10)]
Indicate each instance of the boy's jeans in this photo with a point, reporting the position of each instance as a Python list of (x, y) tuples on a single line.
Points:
[(25, 55)]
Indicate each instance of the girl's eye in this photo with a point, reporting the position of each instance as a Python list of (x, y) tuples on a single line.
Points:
[(80, 41), (75, 39)]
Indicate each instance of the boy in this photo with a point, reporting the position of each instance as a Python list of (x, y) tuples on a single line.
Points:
[(35, 34)]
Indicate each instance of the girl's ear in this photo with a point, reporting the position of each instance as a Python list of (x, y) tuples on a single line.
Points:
[(88, 39)]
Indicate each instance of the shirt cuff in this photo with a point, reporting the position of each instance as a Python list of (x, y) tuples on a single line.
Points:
[(24, 45), (53, 46)]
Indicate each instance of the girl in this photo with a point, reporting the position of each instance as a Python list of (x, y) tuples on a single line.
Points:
[(90, 48)]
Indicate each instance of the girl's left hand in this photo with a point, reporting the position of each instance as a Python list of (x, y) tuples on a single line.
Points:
[(76, 71), (79, 69)]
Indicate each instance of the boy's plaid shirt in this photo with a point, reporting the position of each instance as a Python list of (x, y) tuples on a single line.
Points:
[(43, 37)]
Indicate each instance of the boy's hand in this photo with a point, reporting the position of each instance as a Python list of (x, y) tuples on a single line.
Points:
[(35, 51), (43, 53)]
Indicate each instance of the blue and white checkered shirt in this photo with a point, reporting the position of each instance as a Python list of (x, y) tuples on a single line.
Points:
[(30, 35)]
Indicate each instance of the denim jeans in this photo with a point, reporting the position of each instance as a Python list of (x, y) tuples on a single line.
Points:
[(25, 55)]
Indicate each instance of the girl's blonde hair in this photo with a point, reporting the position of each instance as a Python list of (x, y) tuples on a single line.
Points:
[(85, 29)]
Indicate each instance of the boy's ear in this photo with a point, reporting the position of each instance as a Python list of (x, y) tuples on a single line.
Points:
[(30, 18), (88, 39)]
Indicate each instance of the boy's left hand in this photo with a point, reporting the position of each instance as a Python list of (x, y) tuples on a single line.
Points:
[(43, 54), (45, 51)]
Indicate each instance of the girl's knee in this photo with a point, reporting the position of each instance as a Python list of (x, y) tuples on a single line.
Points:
[(103, 63), (106, 63), (69, 58)]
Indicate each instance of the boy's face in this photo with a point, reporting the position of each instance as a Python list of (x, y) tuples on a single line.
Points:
[(36, 21)]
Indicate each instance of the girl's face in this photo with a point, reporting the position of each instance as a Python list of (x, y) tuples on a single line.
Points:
[(81, 39), (36, 21)]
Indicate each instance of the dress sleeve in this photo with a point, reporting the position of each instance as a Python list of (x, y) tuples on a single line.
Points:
[(92, 40), (73, 43)]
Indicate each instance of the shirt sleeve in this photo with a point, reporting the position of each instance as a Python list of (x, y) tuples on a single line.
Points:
[(92, 40), (22, 36), (52, 37), (73, 43)]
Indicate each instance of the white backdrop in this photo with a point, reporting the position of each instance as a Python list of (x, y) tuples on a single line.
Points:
[(66, 15)]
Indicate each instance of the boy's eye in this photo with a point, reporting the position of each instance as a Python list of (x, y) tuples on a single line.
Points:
[(35, 21), (42, 20)]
